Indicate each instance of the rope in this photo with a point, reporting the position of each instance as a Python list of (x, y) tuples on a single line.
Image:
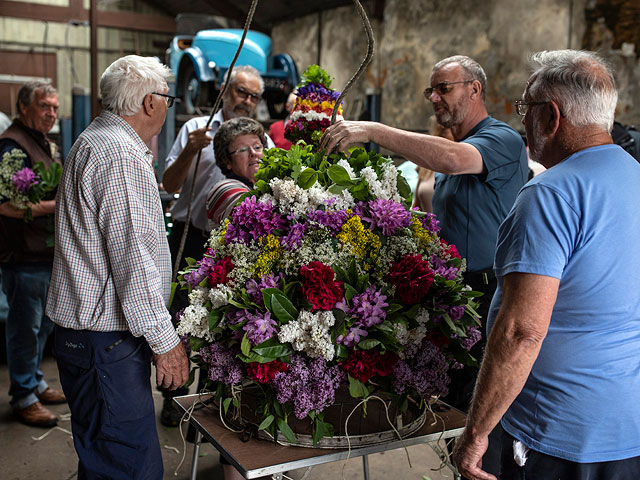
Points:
[(216, 106), (365, 62)]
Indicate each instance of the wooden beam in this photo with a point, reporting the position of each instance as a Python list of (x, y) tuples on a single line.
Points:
[(111, 19)]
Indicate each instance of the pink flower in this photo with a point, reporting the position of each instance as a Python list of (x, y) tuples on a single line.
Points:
[(24, 179), (265, 372), (218, 275)]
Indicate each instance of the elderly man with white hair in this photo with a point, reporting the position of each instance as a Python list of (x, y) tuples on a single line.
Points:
[(111, 279), (561, 372)]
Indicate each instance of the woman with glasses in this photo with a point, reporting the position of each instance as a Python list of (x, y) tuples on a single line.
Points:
[(238, 146)]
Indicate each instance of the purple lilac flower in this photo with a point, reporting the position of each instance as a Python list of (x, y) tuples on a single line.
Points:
[(293, 239), (426, 372), (205, 266), (254, 288), (259, 327), (369, 307), (430, 223), (24, 179), (388, 216), (222, 364), (456, 312), (310, 386), (440, 267), (252, 219), (332, 220), (352, 337), (473, 336)]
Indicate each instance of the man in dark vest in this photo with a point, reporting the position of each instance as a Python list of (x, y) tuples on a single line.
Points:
[(26, 258)]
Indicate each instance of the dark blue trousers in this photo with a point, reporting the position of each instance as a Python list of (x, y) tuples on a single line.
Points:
[(106, 378), (545, 467)]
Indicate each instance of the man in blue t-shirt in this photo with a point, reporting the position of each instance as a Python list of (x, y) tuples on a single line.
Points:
[(561, 370)]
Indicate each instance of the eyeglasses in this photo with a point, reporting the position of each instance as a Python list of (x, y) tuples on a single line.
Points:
[(442, 88), (522, 107), (257, 148), (170, 98), (244, 94)]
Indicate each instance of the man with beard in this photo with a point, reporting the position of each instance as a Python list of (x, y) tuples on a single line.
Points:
[(480, 174), (561, 372), (240, 100)]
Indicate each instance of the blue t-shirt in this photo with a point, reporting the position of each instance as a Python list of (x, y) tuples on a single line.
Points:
[(470, 208), (579, 222)]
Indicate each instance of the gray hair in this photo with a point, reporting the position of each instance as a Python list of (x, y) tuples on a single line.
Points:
[(249, 70), (28, 91), (126, 82), (580, 82), (228, 131), (472, 69)]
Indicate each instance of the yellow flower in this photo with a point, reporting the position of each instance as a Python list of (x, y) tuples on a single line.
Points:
[(423, 236), (271, 252), (362, 242)]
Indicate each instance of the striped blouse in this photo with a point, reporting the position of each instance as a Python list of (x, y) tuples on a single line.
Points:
[(222, 198)]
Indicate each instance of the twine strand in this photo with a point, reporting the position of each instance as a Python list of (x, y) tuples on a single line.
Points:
[(216, 106)]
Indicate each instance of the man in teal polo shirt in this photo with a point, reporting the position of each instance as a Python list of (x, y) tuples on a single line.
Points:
[(479, 176)]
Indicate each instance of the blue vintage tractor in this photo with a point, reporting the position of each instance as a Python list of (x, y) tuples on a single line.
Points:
[(200, 61)]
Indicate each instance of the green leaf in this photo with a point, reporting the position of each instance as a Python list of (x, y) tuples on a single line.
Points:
[(403, 187), (307, 178), (337, 189), (215, 316), (225, 404), (267, 293), (285, 429), (339, 175), (452, 326), (273, 349), (196, 343), (368, 343), (245, 345), (349, 292), (174, 286), (283, 309), (266, 422), (342, 352), (357, 389)]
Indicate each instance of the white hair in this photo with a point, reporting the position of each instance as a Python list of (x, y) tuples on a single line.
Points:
[(247, 69), (126, 81), (580, 82)]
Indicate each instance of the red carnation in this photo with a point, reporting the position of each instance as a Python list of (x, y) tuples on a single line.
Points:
[(450, 250), (364, 364), (319, 286), (412, 278), (218, 275), (265, 372)]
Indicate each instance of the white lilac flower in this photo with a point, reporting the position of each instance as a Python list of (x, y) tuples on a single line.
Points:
[(198, 296), (309, 333), (219, 296), (195, 322), (347, 166)]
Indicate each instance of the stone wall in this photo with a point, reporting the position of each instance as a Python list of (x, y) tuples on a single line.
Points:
[(415, 34)]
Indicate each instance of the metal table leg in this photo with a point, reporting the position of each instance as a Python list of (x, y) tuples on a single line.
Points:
[(365, 466), (196, 452)]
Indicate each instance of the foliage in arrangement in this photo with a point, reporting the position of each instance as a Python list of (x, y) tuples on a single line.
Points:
[(323, 278), (22, 186)]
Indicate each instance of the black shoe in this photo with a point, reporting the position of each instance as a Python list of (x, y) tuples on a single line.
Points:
[(170, 416)]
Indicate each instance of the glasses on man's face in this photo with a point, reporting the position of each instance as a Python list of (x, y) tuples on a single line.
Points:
[(170, 98), (244, 151), (442, 88), (244, 94), (522, 107)]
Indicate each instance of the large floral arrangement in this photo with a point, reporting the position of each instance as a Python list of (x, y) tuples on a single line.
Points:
[(22, 186), (322, 278)]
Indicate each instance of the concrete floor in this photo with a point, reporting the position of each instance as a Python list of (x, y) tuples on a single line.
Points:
[(34, 453)]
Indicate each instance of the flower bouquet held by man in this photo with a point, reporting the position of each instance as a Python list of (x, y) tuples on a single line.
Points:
[(22, 186), (322, 281)]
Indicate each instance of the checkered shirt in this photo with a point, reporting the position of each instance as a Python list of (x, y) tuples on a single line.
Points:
[(112, 268)]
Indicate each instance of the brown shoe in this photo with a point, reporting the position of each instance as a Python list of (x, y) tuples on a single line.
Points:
[(51, 396), (36, 415)]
